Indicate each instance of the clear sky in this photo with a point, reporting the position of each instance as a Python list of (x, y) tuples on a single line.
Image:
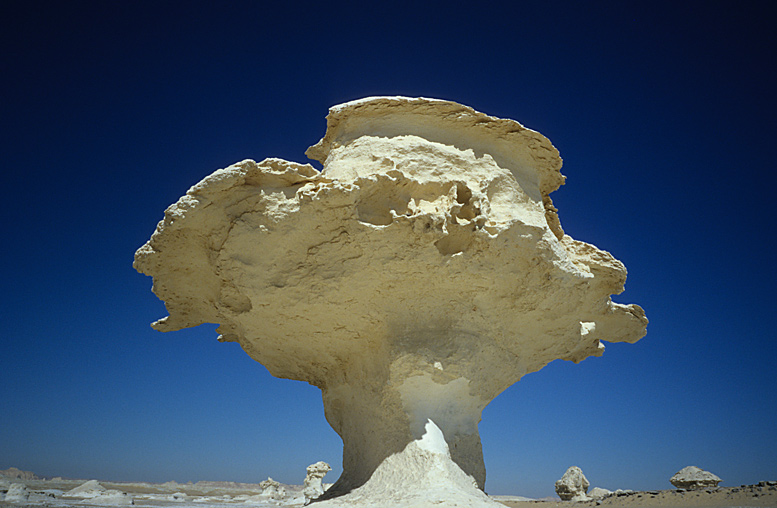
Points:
[(664, 114)]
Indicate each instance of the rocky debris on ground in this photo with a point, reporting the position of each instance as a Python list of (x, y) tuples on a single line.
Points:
[(573, 485), (312, 487), (694, 478)]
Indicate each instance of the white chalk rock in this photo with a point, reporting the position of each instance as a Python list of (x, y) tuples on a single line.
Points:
[(92, 492), (86, 490), (573, 485), (693, 478), (17, 493), (110, 498), (421, 475), (272, 489), (598, 493), (422, 272), (312, 487)]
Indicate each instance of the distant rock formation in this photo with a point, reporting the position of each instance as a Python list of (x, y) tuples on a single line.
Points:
[(573, 485), (13, 473), (312, 487), (694, 478)]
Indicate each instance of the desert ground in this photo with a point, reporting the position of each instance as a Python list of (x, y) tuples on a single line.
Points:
[(762, 494), (40, 492)]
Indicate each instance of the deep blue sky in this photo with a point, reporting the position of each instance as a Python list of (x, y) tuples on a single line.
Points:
[(664, 114)]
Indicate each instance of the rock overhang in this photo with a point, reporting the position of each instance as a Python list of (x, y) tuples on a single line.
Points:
[(426, 257)]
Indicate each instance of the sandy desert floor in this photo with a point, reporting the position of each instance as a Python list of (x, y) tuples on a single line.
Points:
[(762, 494), (48, 493)]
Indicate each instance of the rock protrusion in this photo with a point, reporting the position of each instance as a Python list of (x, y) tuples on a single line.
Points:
[(598, 493), (272, 489), (312, 488), (478, 283), (573, 485), (17, 493), (694, 478), (98, 494)]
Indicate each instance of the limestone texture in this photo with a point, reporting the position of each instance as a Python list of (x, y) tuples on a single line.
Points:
[(694, 478), (89, 489), (598, 493), (573, 486), (422, 272), (272, 489), (97, 494), (312, 488), (17, 493)]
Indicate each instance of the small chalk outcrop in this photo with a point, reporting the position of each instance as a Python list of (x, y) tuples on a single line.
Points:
[(421, 273), (272, 489), (598, 493), (86, 490), (312, 488), (694, 478), (573, 486), (17, 493), (92, 492)]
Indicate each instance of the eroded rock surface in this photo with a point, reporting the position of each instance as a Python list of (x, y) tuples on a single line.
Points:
[(272, 489), (573, 486), (17, 493), (598, 493), (97, 494), (693, 478), (312, 487), (422, 272), (14, 473)]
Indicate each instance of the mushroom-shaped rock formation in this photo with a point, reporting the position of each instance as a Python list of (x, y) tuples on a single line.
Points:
[(417, 276)]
